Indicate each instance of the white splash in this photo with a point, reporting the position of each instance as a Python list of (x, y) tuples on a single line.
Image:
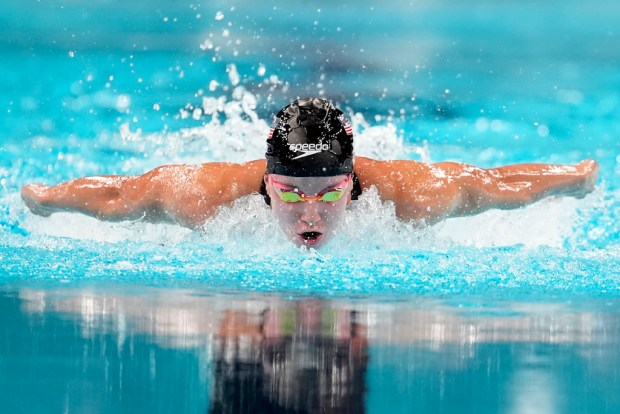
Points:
[(246, 227), (549, 222), (79, 226), (233, 132)]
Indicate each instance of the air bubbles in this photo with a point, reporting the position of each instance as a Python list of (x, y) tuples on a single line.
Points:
[(219, 16)]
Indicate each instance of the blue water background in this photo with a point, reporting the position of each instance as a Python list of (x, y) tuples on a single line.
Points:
[(108, 87)]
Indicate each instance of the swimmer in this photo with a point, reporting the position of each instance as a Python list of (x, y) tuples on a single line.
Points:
[(308, 177)]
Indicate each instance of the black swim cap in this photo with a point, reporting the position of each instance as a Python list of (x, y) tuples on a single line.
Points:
[(310, 138)]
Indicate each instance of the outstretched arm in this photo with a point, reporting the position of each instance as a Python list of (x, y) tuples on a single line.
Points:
[(188, 195), (105, 197), (517, 185), (432, 192)]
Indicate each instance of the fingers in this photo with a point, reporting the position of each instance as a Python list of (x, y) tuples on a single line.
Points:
[(588, 166), (587, 177), (33, 196), (590, 169)]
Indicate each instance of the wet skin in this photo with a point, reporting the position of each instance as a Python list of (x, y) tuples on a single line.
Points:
[(308, 223)]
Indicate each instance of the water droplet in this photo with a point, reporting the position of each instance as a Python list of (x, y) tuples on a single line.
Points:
[(543, 131), (233, 75)]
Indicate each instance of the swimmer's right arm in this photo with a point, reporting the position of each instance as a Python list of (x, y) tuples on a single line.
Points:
[(187, 195), (105, 197)]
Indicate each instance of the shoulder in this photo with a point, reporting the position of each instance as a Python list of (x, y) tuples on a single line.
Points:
[(192, 193), (236, 180), (369, 165), (375, 172), (206, 173), (420, 191)]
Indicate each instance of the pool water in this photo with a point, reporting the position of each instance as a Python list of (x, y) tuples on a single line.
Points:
[(509, 311)]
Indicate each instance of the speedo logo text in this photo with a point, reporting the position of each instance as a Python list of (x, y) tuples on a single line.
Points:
[(308, 147)]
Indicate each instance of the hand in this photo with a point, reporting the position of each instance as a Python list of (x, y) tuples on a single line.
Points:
[(34, 197), (588, 170)]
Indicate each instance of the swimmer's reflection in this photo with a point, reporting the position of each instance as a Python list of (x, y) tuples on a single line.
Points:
[(303, 359)]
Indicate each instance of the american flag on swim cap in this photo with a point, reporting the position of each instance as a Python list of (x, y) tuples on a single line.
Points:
[(347, 126), (270, 133)]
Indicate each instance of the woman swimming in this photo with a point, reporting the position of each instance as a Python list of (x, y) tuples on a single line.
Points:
[(308, 177)]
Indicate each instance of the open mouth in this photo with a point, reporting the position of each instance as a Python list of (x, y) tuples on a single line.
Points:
[(310, 237)]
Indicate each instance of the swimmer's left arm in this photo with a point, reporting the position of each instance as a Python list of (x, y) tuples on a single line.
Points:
[(476, 190), (432, 192)]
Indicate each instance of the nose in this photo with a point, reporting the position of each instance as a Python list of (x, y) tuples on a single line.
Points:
[(311, 213)]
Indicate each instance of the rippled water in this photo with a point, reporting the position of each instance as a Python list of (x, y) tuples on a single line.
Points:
[(508, 311)]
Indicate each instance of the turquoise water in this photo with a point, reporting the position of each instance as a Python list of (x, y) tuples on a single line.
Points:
[(509, 311)]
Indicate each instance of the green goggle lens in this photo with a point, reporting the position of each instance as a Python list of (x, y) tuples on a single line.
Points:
[(332, 196), (292, 197)]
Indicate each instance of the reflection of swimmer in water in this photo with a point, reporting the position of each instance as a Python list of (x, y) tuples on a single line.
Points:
[(309, 177), (309, 359)]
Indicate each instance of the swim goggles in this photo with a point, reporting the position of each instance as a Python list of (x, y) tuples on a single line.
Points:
[(329, 195)]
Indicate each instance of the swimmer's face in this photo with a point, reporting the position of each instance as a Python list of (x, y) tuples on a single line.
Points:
[(308, 223)]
